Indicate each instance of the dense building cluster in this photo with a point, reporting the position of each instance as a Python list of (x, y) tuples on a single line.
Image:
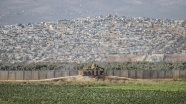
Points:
[(91, 39)]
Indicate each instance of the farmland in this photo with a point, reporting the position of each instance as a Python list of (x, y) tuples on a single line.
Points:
[(94, 92)]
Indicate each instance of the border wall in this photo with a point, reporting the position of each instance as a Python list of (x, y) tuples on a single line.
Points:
[(148, 74), (36, 75), (135, 74)]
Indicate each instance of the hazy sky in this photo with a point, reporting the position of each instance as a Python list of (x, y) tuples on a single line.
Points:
[(30, 11)]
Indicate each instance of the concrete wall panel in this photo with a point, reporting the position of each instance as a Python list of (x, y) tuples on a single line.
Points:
[(146, 74), (3, 75), (11, 75), (161, 74), (27, 75), (65, 73), (117, 73), (182, 73), (139, 74), (124, 73), (153, 74), (73, 72), (43, 74), (168, 74), (50, 74), (109, 72), (57, 73), (132, 74), (35, 75), (19, 75), (176, 73)]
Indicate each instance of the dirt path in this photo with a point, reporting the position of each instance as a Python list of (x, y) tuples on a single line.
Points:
[(80, 78)]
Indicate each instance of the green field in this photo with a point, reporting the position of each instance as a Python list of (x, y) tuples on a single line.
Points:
[(100, 92)]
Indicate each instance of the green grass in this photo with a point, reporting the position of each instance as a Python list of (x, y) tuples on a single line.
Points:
[(148, 85), (100, 92)]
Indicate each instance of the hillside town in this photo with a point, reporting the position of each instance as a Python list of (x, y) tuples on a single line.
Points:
[(91, 39)]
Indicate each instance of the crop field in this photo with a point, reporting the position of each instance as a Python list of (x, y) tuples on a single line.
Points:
[(98, 92)]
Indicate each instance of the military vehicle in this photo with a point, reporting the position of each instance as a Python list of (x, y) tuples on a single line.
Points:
[(92, 70)]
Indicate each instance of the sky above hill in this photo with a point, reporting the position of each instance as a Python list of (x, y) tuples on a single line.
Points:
[(31, 11)]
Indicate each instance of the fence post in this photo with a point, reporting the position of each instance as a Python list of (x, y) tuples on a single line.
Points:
[(113, 72), (68, 72), (39, 77), (8, 75), (120, 72)]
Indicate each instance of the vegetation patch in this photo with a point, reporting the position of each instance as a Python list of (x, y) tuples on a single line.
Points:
[(148, 85), (98, 92), (105, 65)]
